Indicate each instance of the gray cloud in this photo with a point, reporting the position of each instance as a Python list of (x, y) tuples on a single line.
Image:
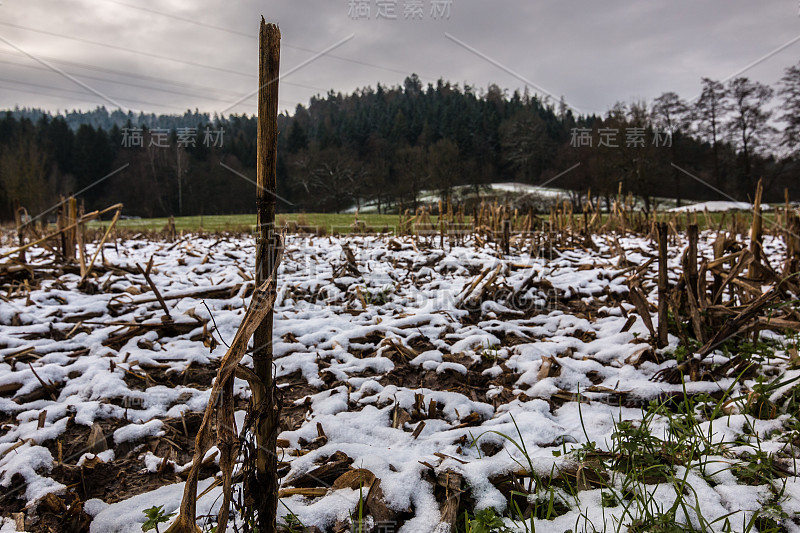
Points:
[(592, 53)]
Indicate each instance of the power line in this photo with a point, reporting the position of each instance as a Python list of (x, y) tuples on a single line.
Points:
[(183, 19), (70, 98), (168, 58), (131, 84), (191, 63), (152, 78), (72, 91), (129, 50), (60, 72), (49, 87), (254, 37), (291, 71), (183, 61), (106, 70)]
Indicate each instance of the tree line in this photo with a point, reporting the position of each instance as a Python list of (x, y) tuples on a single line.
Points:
[(384, 146)]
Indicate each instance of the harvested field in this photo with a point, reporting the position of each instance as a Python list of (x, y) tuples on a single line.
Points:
[(426, 382)]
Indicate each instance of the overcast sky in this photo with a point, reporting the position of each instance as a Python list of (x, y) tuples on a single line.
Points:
[(147, 55)]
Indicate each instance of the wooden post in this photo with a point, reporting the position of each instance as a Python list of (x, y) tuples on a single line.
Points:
[(792, 237), (262, 488), (691, 259), (60, 225), (756, 233), (72, 234), (787, 208), (399, 231), (18, 213), (693, 281), (663, 285), (506, 235), (171, 229), (441, 225), (80, 233)]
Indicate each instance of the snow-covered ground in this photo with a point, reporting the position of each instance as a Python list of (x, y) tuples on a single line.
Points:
[(339, 369), (490, 189), (716, 206)]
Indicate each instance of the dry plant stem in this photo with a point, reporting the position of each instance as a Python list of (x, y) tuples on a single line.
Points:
[(451, 481), (736, 324), (85, 218), (146, 274), (260, 306), (227, 442), (102, 243)]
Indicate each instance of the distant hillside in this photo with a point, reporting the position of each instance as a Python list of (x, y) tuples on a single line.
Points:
[(385, 146), (103, 119)]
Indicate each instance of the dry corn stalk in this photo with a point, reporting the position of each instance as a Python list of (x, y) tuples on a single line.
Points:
[(222, 396)]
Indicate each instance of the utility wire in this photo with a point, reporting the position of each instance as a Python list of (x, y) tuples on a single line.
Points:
[(251, 36), (139, 76), (129, 50), (204, 95)]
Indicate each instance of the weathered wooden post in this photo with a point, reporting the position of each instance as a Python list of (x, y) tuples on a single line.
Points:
[(691, 258), (171, 229), (441, 224), (663, 285), (80, 237), (18, 214), (506, 235), (693, 281), (262, 488), (756, 234), (72, 233), (60, 225)]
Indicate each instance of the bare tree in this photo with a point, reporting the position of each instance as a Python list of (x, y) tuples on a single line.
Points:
[(444, 163), (523, 139), (335, 175), (710, 112), (670, 114), (25, 176), (412, 172), (749, 127), (790, 92), (182, 168), (641, 162)]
